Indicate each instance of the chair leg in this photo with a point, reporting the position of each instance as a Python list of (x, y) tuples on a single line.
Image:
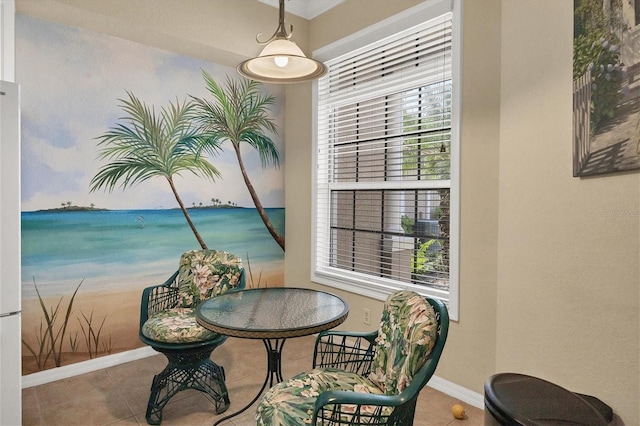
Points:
[(193, 370)]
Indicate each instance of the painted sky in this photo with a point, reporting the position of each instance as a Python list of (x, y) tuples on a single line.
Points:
[(71, 82)]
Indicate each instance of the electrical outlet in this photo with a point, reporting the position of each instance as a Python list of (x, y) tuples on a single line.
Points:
[(366, 318)]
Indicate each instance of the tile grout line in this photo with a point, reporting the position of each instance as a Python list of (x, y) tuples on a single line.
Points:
[(122, 397)]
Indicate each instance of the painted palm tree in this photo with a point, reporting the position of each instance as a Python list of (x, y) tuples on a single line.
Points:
[(147, 146), (240, 115)]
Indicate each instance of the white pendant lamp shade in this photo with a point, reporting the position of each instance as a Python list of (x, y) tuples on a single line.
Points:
[(281, 60)]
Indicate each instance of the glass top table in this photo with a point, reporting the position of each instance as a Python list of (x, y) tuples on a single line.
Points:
[(276, 312), (272, 314)]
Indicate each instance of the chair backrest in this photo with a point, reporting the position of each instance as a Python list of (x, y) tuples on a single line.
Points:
[(407, 335), (203, 274)]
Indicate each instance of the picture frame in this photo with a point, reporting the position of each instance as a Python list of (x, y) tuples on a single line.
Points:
[(606, 87)]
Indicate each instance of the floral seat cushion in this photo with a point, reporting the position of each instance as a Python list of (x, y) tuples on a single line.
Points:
[(292, 401), (176, 325), (408, 330), (206, 273), (202, 274), (406, 336)]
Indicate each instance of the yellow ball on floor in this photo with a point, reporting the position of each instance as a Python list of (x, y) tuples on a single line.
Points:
[(458, 411)]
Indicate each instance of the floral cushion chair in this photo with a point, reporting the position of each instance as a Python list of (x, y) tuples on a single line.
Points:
[(365, 378), (168, 324)]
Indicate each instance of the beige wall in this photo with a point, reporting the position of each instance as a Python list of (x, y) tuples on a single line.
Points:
[(550, 283), (470, 352), (221, 31), (568, 272)]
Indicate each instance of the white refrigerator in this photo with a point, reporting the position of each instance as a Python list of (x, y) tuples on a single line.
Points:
[(10, 288)]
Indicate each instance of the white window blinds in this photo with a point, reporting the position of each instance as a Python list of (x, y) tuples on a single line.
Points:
[(383, 178)]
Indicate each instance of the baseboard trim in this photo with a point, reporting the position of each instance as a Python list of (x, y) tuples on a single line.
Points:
[(453, 390), (456, 391), (83, 367)]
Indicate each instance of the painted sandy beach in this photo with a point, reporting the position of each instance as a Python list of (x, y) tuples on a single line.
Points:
[(115, 254), (120, 310)]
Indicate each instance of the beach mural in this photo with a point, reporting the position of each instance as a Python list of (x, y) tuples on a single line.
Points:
[(90, 244)]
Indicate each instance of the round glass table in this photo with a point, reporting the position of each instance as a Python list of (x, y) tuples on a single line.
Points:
[(273, 315)]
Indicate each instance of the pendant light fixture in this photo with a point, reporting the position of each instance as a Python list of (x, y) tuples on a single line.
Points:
[(281, 60)]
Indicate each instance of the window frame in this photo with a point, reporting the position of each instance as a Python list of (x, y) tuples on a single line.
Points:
[(360, 283)]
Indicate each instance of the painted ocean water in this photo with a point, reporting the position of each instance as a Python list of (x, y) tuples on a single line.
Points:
[(127, 249)]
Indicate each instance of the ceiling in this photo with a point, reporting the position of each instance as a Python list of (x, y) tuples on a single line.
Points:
[(307, 9)]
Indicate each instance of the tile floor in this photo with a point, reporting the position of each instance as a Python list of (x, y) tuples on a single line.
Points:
[(118, 395)]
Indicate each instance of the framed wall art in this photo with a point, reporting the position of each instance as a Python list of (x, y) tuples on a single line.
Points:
[(606, 86)]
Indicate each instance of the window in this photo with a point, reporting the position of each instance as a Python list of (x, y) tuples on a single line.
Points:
[(386, 184)]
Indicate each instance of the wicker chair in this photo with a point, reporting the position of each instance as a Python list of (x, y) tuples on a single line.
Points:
[(168, 325), (365, 378)]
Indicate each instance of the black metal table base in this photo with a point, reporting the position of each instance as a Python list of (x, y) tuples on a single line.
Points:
[(273, 376)]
